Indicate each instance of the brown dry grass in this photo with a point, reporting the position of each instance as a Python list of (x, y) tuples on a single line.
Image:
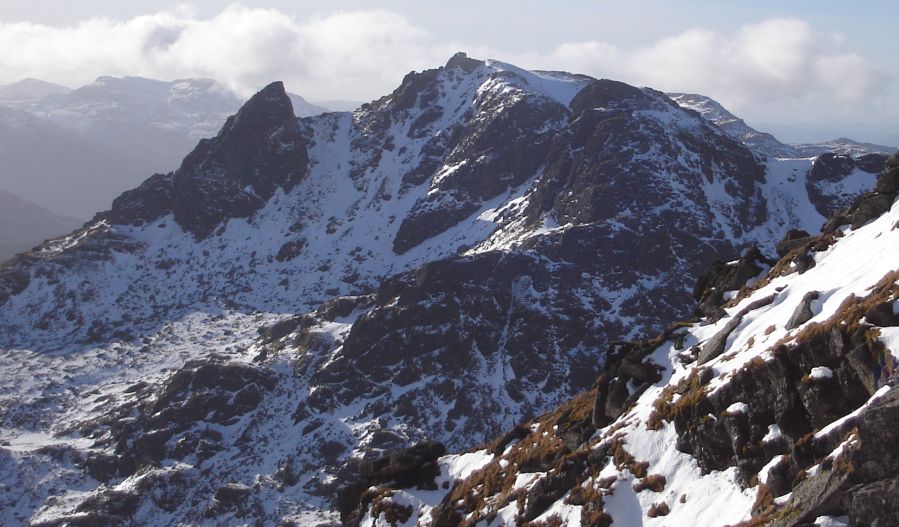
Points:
[(691, 391)]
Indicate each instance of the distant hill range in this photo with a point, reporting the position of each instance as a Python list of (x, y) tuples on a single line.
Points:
[(766, 143)]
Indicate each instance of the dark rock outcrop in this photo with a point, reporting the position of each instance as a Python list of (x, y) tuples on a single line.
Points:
[(404, 466), (793, 239), (869, 205), (828, 172), (721, 277), (415, 466), (858, 481), (171, 421)]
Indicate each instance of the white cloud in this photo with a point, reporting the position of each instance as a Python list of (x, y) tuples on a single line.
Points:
[(363, 54), (778, 59), (241, 46)]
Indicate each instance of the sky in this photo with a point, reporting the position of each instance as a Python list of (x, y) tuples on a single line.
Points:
[(805, 70)]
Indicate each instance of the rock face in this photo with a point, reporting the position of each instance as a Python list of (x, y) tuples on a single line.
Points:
[(789, 423), (835, 180), (258, 151), (303, 297), (869, 205), (500, 144), (528, 313), (176, 424)]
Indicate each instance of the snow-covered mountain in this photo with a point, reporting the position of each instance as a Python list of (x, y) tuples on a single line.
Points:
[(780, 410), (24, 225), (735, 127), (130, 127), (766, 143), (240, 337)]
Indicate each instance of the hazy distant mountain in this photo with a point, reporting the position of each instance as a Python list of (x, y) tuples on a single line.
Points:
[(60, 169), (24, 224), (29, 91), (304, 108), (81, 148), (842, 145)]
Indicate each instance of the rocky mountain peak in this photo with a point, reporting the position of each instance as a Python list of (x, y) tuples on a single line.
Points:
[(460, 60), (257, 151), (265, 112)]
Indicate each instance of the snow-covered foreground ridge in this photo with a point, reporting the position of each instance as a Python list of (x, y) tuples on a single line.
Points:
[(783, 411), (240, 337)]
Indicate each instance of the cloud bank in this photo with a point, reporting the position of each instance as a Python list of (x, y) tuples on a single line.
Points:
[(774, 59), (343, 54), (363, 54)]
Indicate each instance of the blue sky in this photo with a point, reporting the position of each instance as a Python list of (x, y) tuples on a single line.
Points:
[(802, 67)]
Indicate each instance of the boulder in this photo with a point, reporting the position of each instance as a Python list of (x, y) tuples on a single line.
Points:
[(875, 504), (883, 315), (409, 465), (232, 494), (869, 207), (726, 276), (792, 239), (715, 346), (803, 312)]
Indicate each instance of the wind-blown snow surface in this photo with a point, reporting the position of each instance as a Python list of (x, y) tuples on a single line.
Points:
[(852, 266), (113, 306)]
